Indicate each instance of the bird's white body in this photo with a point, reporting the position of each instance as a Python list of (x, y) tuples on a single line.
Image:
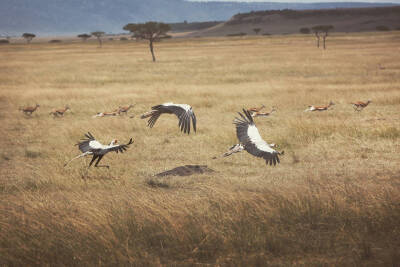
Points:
[(255, 138), (102, 149), (186, 107)]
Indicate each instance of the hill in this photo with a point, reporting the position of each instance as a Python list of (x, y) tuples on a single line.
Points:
[(77, 16), (290, 21)]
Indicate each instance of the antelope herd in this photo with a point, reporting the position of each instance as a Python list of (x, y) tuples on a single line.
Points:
[(247, 133)]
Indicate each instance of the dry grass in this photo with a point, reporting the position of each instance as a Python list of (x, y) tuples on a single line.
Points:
[(333, 200)]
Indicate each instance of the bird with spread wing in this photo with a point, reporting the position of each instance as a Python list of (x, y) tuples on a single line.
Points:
[(251, 140), (90, 146), (184, 113)]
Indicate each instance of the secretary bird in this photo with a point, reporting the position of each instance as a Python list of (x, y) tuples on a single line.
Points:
[(184, 113), (236, 149), (90, 146), (251, 140)]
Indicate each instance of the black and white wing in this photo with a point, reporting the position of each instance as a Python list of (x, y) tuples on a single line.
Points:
[(184, 113), (249, 136), (89, 144), (119, 148)]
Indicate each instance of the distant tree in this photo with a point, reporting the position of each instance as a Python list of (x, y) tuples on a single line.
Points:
[(152, 31), (84, 36), (28, 37), (257, 30), (305, 30), (98, 35), (324, 30)]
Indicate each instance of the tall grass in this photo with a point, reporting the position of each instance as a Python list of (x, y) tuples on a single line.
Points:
[(333, 200)]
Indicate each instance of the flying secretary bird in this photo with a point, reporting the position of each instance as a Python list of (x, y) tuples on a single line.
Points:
[(236, 149), (184, 113), (251, 140), (90, 146)]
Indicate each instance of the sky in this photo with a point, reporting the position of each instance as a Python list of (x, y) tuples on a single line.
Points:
[(302, 1)]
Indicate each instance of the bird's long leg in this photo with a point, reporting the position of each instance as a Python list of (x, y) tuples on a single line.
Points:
[(93, 159), (101, 166), (79, 156)]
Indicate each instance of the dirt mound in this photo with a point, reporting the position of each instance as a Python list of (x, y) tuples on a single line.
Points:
[(186, 170)]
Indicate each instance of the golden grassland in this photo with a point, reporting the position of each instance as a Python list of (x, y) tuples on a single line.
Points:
[(333, 200)]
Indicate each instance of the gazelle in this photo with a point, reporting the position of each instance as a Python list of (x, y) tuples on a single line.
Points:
[(29, 110), (359, 105), (320, 108), (106, 114), (256, 109), (263, 114), (59, 112), (125, 109)]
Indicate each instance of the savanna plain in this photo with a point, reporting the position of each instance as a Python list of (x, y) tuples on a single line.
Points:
[(334, 199)]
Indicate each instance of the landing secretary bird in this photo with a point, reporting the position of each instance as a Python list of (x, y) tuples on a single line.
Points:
[(90, 146), (251, 140), (184, 113)]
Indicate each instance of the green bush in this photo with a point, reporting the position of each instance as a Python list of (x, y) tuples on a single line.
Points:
[(236, 34), (305, 30), (382, 28)]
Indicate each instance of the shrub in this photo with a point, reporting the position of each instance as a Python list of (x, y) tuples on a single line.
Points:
[(123, 39), (305, 30), (55, 41), (4, 41), (382, 28), (236, 34)]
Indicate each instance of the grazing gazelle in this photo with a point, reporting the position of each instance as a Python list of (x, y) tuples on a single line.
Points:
[(90, 146), (106, 114), (125, 109), (251, 140), (262, 114), (359, 105), (59, 112), (320, 108), (184, 113), (29, 110)]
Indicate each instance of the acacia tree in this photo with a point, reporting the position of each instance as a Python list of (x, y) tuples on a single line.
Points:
[(324, 30), (257, 30), (152, 31), (98, 35), (28, 37), (84, 36)]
